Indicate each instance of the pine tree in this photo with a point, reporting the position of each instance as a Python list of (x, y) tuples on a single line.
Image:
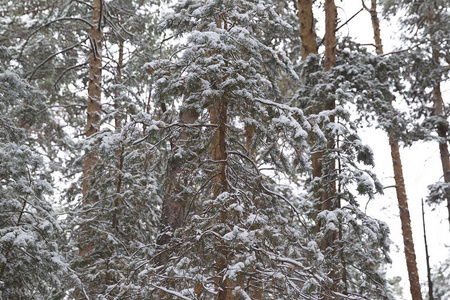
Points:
[(408, 240), (324, 97), (429, 49), (31, 266)]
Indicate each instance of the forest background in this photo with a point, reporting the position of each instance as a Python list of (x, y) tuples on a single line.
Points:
[(218, 159)]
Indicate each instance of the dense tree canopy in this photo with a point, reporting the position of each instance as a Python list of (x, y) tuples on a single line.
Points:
[(206, 149)]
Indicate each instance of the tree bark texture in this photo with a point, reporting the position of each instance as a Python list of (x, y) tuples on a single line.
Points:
[(309, 46), (330, 34), (173, 208), (94, 106), (329, 201), (218, 116), (405, 219), (307, 28)]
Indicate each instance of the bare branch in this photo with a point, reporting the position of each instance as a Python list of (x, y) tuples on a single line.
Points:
[(53, 55), (48, 24)]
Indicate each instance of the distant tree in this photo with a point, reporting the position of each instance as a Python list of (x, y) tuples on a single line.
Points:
[(427, 70), (408, 240)]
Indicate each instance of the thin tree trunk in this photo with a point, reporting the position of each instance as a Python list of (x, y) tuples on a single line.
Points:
[(329, 201), (442, 129), (94, 90), (438, 103), (405, 219), (427, 257), (93, 105), (118, 128), (309, 46)]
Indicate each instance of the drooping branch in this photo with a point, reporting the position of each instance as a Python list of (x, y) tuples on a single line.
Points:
[(48, 24), (53, 55)]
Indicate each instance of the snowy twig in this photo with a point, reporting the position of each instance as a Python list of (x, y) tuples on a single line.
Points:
[(170, 292), (48, 24), (53, 55)]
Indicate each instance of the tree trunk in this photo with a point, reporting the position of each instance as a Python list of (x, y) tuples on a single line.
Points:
[(442, 129), (329, 201), (307, 28), (405, 219), (408, 241), (427, 257), (94, 94), (218, 116), (173, 208), (93, 107), (309, 46)]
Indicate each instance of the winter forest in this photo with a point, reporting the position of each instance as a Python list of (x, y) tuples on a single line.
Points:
[(212, 149)]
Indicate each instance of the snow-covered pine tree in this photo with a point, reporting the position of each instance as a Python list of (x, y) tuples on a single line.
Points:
[(31, 266), (408, 241), (426, 69), (249, 223), (337, 163), (242, 234), (121, 225)]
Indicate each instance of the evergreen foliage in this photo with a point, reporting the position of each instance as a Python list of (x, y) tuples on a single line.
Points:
[(203, 181), (31, 266)]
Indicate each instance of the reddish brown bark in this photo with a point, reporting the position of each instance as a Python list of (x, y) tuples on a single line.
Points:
[(94, 107), (329, 201), (405, 219), (330, 34), (442, 129), (309, 46), (307, 28), (218, 116)]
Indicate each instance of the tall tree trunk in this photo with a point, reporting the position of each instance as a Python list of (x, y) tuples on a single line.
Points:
[(119, 116), (218, 116), (94, 91), (405, 219), (329, 201), (442, 127), (309, 46), (173, 208), (93, 105), (427, 257)]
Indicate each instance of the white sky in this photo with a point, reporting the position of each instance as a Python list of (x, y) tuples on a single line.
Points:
[(421, 167)]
